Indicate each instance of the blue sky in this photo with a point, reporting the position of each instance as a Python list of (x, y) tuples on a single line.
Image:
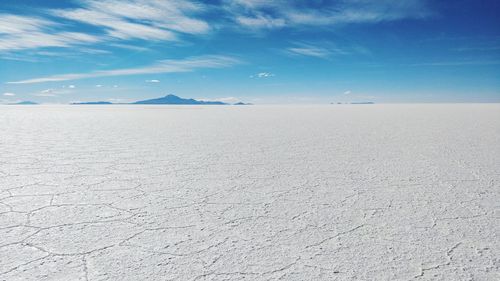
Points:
[(251, 50)]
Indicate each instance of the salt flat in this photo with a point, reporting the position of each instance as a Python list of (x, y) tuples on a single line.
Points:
[(334, 192)]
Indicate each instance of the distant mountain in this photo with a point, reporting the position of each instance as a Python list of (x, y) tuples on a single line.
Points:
[(172, 99), (363, 102), (27, 102), (168, 99), (92, 102)]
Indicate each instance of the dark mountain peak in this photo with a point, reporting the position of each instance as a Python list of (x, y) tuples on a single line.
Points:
[(173, 99)]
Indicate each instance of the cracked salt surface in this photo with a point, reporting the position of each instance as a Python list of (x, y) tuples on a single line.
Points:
[(377, 192)]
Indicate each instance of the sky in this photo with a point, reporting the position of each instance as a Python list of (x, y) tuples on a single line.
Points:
[(264, 52)]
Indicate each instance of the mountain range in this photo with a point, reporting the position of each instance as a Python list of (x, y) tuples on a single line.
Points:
[(168, 99)]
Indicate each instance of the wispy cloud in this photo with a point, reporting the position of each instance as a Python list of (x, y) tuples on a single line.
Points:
[(262, 75), (71, 53), (116, 27), (261, 21), (309, 50), (175, 15), (118, 22), (324, 49), (265, 74), (54, 92), (114, 20), (163, 66), (140, 19), (13, 24), (46, 93), (129, 47), (153, 81), (23, 32), (281, 13), (9, 94)]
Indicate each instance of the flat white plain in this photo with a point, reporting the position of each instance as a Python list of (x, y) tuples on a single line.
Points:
[(337, 192)]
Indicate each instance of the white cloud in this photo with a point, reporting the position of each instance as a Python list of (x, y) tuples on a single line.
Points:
[(115, 20), (262, 75), (93, 51), (53, 92), (46, 93), (9, 94), (176, 15), (141, 19), (309, 50), (23, 32), (280, 13), (347, 92), (156, 20), (32, 40), (163, 66), (98, 86), (261, 22), (324, 49), (116, 27), (115, 86), (153, 81), (12, 24), (129, 47), (71, 86)]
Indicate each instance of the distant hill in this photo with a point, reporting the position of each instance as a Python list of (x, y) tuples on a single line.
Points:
[(27, 102), (92, 102), (168, 99), (172, 99)]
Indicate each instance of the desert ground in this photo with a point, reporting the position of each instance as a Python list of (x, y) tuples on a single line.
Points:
[(327, 192)]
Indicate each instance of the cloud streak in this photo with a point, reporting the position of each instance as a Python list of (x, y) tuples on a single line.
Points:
[(154, 20), (262, 75), (163, 66), (309, 50), (114, 20), (257, 14), (139, 19), (324, 50), (22, 32)]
